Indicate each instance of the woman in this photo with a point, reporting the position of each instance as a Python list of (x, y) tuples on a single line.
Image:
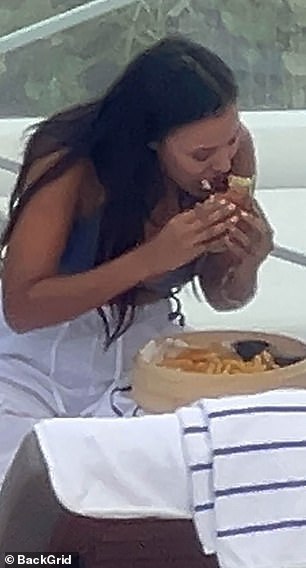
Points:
[(108, 216)]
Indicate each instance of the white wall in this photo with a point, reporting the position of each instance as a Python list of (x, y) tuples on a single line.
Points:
[(280, 138), (12, 139)]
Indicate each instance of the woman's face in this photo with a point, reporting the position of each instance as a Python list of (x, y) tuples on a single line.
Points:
[(201, 150)]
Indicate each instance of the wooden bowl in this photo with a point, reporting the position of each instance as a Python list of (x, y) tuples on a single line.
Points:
[(159, 389)]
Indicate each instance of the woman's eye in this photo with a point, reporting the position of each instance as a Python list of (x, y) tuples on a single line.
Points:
[(200, 156)]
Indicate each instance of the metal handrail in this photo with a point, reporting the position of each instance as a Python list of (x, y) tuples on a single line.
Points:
[(9, 165), (60, 22)]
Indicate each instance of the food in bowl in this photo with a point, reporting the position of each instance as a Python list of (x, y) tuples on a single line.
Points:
[(217, 359), (160, 388)]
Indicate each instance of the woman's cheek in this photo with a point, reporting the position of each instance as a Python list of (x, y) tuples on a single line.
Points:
[(234, 150), (188, 168)]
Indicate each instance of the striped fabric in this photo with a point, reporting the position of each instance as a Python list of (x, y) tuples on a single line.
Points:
[(246, 459)]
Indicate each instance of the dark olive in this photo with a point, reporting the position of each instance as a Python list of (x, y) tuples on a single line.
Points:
[(248, 349)]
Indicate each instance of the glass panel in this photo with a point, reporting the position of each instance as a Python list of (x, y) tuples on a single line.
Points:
[(264, 42)]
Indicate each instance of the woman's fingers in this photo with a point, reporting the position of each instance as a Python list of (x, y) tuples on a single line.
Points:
[(258, 224), (234, 248), (243, 244), (241, 239), (214, 213), (222, 214), (216, 246), (223, 225), (211, 234)]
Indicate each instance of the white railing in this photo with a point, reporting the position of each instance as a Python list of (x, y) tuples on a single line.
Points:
[(9, 165), (59, 23)]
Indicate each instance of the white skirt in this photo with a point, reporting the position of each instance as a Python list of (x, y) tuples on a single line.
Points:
[(64, 371)]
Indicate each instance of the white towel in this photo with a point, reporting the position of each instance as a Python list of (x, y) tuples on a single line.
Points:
[(116, 467), (246, 458)]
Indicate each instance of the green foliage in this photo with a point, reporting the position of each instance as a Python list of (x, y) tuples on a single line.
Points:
[(263, 41)]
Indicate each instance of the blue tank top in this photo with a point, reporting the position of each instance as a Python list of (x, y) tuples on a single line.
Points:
[(81, 251)]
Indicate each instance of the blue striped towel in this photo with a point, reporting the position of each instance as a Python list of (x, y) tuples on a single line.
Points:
[(246, 459)]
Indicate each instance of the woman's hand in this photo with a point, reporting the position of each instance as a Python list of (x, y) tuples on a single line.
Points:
[(229, 279), (188, 236), (251, 237), (212, 212)]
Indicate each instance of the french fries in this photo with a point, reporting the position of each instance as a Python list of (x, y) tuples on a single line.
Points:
[(216, 360)]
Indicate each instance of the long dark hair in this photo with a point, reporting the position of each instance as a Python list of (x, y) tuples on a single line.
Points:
[(173, 83)]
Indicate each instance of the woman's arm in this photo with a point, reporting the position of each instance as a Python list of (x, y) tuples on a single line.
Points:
[(226, 287), (226, 284), (34, 295)]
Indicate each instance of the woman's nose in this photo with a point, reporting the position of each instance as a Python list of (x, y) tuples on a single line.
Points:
[(222, 160)]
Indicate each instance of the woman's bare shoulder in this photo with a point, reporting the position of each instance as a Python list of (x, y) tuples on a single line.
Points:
[(244, 161), (79, 180), (92, 191)]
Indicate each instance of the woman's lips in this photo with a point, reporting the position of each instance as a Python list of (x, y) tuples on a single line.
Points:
[(217, 183)]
